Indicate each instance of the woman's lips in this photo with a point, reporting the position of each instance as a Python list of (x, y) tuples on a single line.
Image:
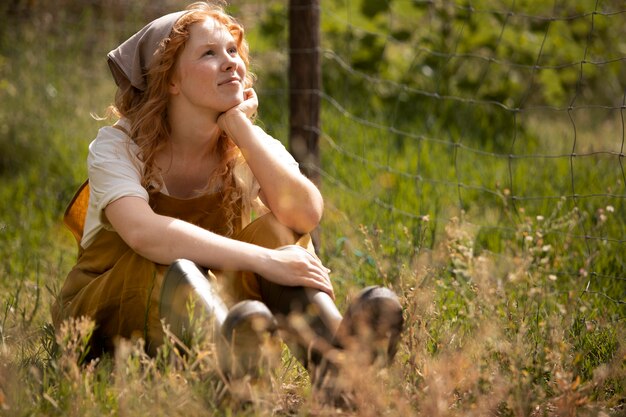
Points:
[(233, 80)]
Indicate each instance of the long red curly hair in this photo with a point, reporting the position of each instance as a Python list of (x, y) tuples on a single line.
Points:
[(147, 110)]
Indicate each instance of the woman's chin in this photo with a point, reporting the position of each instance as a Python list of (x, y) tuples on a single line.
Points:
[(234, 102), (240, 98)]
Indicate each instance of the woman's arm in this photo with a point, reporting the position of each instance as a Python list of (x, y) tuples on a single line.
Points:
[(295, 201), (164, 239)]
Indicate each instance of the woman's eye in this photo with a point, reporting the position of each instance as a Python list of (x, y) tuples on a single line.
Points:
[(209, 52)]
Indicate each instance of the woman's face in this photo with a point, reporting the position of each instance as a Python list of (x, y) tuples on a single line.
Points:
[(209, 73)]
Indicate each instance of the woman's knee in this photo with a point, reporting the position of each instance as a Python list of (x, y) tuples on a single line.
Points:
[(268, 232)]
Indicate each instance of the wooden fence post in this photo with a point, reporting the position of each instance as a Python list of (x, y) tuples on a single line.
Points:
[(304, 85)]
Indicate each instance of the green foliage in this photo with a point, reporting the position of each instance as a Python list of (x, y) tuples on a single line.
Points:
[(370, 8), (505, 56)]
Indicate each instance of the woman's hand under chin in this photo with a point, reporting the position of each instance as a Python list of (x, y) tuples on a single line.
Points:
[(246, 108)]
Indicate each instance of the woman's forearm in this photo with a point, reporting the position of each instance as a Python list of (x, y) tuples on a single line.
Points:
[(169, 239), (294, 200), (164, 239)]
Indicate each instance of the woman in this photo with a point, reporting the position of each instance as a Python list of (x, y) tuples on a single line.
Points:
[(177, 177)]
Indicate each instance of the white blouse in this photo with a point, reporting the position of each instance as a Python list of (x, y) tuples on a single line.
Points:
[(115, 171)]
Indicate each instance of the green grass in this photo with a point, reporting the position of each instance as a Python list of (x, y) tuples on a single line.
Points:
[(510, 310)]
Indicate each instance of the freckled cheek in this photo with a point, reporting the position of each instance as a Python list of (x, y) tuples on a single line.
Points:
[(201, 80), (197, 70)]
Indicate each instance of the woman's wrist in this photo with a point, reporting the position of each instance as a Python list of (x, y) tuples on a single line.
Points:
[(231, 120), (255, 258)]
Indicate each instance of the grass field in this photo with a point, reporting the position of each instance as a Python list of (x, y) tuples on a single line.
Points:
[(508, 310)]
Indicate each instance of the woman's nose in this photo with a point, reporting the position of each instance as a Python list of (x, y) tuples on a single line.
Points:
[(230, 63)]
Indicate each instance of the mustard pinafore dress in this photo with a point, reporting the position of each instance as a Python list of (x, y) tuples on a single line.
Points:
[(120, 290)]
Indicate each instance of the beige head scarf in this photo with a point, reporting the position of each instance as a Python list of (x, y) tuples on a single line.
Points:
[(130, 61)]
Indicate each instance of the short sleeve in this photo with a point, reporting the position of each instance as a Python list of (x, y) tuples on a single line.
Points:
[(114, 172)]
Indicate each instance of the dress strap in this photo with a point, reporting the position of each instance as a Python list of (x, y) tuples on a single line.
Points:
[(76, 211), (122, 129)]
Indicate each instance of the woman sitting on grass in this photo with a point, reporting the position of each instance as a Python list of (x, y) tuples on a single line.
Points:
[(177, 177)]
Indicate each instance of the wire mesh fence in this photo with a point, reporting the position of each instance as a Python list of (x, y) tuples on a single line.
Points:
[(509, 112)]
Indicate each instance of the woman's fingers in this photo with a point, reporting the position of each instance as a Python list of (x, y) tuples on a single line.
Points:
[(322, 286), (250, 102), (318, 278), (248, 107), (249, 94), (306, 270)]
